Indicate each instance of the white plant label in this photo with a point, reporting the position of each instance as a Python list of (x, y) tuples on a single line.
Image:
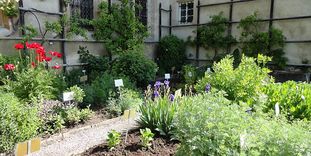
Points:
[(189, 74), (208, 70), (83, 78), (167, 76), (277, 109), (118, 83), (68, 96), (83, 71)]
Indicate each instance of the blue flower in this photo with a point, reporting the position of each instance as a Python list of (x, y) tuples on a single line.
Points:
[(157, 84), (156, 93), (167, 83), (208, 88), (171, 97)]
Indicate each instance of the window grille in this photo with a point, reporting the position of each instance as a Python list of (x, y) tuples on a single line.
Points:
[(82, 8), (186, 12), (141, 11)]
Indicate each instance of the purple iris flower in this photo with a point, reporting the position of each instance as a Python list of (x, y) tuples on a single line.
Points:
[(157, 84), (171, 97), (156, 93), (208, 88), (167, 83)]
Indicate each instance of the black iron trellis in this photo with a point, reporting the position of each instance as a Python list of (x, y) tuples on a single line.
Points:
[(231, 3)]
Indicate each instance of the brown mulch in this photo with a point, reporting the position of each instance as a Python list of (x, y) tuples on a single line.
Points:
[(160, 147)]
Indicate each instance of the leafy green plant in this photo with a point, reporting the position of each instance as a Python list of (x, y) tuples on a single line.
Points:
[(190, 74), (9, 7), (158, 112), (244, 83), (73, 115), (19, 122), (294, 99), (255, 41), (136, 67), (146, 137), (98, 92), (210, 125), (128, 99), (213, 36), (171, 54), (78, 93), (119, 28), (114, 139)]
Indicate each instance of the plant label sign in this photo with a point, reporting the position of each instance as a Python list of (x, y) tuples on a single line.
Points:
[(28, 147), (190, 74), (167, 76), (178, 93), (118, 83), (277, 109), (128, 114), (83, 78), (68, 96)]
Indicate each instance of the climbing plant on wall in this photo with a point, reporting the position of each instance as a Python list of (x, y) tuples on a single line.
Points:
[(256, 41), (119, 28), (213, 36)]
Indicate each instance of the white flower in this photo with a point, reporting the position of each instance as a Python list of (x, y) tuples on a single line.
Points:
[(303, 98)]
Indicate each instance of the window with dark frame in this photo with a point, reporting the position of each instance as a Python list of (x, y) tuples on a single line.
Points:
[(82, 8), (186, 12), (141, 11)]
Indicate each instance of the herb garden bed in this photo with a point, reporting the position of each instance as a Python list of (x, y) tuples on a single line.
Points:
[(160, 146)]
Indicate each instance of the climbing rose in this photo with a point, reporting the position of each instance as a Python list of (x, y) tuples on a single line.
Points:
[(19, 46), (8, 67)]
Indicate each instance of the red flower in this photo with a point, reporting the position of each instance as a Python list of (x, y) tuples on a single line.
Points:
[(56, 54), (8, 67), (40, 51), (19, 46), (56, 67), (33, 64), (48, 59), (34, 45)]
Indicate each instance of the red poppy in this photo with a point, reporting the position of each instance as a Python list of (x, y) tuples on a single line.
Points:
[(56, 67), (40, 51), (33, 45), (47, 59), (19, 46), (33, 64), (8, 67), (56, 54)]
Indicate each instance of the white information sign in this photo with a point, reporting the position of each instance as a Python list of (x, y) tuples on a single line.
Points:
[(68, 96), (167, 76), (118, 83), (83, 78), (277, 109)]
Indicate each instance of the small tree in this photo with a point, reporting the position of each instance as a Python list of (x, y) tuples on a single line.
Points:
[(119, 28)]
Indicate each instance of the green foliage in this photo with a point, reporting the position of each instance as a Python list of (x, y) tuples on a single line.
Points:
[(95, 66), (78, 93), (171, 54), (9, 8), (35, 85), (72, 115), (208, 125), (30, 32), (256, 42), (213, 36), (146, 137), (98, 92), (136, 67), (294, 99), (114, 139), (128, 99), (74, 25), (244, 83), (119, 28), (158, 115), (19, 122), (190, 74)]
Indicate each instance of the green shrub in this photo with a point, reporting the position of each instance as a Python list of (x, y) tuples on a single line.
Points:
[(190, 74), (244, 83), (73, 77), (293, 98), (19, 122), (128, 99), (78, 93), (35, 85), (99, 91), (171, 54), (209, 125), (73, 115), (136, 67)]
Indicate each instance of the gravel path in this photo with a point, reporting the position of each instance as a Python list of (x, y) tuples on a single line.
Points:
[(79, 140)]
